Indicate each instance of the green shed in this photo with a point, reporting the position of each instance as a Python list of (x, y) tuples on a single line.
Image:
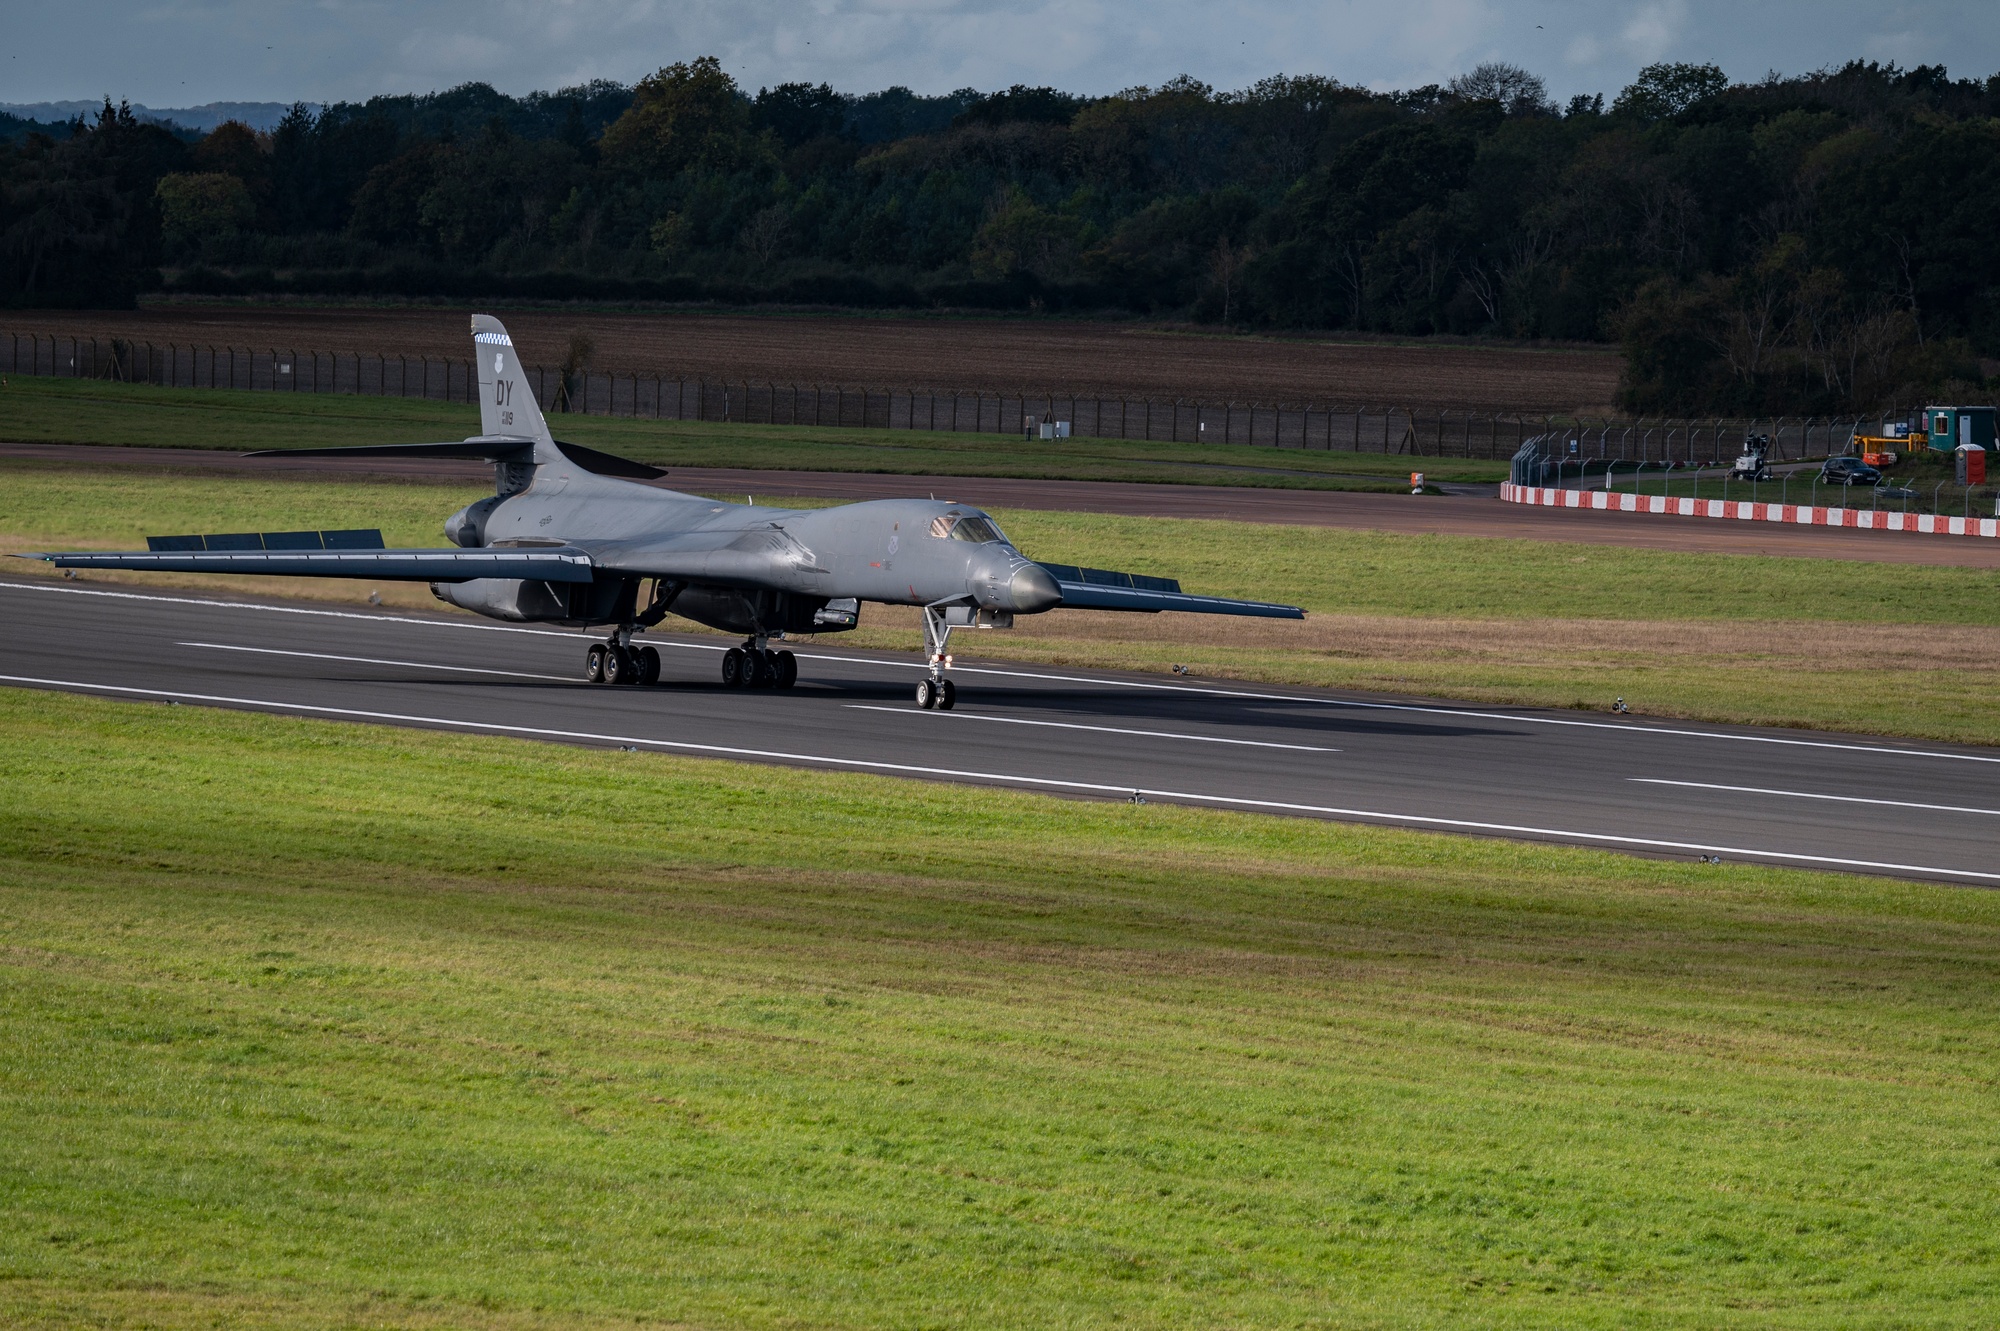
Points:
[(1953, 428)]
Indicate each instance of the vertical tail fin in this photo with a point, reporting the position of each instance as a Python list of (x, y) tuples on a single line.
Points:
[(506, 402)]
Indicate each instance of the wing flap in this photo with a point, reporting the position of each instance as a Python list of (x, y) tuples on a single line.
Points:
[(562, 564), (1088, 596)]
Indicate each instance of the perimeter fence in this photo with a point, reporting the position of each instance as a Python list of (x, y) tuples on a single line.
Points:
[(1577, 444)]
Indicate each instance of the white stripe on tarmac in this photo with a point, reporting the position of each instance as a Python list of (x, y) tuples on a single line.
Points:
[(1005, 778), (1104, 730), (1623, 728), (377, 660), (1813, 795)]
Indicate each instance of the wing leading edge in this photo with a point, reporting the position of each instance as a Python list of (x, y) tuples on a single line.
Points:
[(563, 564), (1104, 589)]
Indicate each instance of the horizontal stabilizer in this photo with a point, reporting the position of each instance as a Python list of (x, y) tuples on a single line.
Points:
[(554, 564), (484, 448), (1103, 589), (368, 539), (606, 464)]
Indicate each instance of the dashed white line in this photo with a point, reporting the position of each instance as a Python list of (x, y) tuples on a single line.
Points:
[(377, 660), (1814, 795), (1074, 725), (1006, 778)]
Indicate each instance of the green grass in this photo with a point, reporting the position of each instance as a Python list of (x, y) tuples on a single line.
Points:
[(1327, 570), (73, 411), (318, 1025)]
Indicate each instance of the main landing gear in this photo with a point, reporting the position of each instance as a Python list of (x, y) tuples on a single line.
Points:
[(618, 662), (754, 666)]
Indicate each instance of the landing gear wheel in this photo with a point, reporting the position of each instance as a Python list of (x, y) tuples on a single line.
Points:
[(648, 661), (735, 664), (618, 667), (927, 693), (593, 664), (762, 672), (947, 695), (788, 670)]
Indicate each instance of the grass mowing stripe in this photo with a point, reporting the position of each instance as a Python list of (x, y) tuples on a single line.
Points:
[(351, 1024)]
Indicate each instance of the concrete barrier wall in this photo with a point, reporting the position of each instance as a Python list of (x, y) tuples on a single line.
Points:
[(1738, 510)]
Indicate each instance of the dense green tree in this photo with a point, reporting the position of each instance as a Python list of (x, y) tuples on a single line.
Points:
[(1795, 243)]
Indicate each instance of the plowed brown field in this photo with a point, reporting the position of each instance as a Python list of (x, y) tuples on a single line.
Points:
[(1103, 359)]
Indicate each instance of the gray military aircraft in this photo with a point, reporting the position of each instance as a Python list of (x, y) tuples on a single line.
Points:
[(569, 538)]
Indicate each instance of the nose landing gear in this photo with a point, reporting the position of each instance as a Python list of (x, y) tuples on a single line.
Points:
[(935, 691)]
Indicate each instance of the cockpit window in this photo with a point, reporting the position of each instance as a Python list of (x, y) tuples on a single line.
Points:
[(958, 527), (977, 530)]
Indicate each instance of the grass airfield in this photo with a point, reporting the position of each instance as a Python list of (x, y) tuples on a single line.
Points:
[(323, 1026), (313, 1025)]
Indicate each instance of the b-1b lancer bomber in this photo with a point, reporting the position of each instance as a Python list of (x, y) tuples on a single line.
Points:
[(570, 538)]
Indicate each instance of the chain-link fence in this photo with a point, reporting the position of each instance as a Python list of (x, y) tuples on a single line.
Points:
[(1571, 444)]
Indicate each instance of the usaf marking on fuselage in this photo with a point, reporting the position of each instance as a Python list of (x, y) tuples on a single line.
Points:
[(569, 538)]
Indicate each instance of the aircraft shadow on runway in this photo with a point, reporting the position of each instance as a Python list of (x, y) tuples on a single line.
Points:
[(1082, 701)]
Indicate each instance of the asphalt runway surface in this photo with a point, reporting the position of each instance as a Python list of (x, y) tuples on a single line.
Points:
[(1677, 789)]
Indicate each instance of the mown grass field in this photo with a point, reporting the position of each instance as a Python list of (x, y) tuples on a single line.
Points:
[(310, 1025), (1889, 649), (70, 411)]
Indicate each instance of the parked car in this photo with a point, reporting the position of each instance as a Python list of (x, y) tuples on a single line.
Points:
[(1848, 471)]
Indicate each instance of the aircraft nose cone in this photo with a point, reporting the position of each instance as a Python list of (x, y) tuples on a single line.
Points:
[(1033, 590)]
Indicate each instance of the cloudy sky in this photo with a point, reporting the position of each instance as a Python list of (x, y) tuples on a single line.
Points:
[(186, 52)]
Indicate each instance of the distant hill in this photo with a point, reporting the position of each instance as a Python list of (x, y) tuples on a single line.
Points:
[(257, 115)]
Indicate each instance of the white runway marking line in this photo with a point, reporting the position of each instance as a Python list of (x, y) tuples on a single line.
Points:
[(1106, 730), (1813, 795), (862, 764), (377, 660), (1571, 722)]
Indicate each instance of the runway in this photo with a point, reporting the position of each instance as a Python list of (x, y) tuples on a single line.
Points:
[(1686, 790)]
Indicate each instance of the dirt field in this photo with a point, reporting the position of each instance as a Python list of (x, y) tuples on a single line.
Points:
[(1107, 359)]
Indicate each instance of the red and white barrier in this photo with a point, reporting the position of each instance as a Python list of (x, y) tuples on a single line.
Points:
[(1740, 510)]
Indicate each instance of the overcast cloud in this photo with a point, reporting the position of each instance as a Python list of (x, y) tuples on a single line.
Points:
[(186, 52)]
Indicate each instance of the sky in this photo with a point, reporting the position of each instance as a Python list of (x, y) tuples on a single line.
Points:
[(173, 53)]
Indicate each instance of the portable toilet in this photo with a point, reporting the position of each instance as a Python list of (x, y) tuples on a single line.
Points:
[(1953, 428)]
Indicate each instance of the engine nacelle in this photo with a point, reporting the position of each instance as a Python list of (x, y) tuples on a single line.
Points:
[(735, 611), (467, 527), (524, 601)]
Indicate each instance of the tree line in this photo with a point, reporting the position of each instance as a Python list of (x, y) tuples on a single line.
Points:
[(1816, 242)]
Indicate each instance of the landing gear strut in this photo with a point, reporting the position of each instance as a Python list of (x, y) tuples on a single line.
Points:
[(934, 690), (755, 666), (619, 662)]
